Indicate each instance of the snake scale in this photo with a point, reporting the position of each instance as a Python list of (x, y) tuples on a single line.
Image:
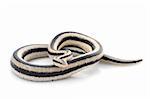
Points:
[(70, 52)]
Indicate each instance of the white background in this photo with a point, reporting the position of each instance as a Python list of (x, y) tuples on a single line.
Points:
[(121, 26)]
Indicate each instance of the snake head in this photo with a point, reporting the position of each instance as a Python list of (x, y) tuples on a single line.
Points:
[(60, 62)]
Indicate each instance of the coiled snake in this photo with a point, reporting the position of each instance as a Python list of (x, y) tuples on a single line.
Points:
[(70, 51)]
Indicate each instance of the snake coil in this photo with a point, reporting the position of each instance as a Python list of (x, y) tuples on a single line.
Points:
[(70, 52)]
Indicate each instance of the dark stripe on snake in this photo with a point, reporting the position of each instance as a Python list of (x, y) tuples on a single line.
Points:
[(52, 74)]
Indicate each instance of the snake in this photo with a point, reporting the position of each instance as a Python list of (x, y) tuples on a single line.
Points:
[(70, 52)]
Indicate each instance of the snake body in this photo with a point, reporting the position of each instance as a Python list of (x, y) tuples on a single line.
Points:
[(70, 52)]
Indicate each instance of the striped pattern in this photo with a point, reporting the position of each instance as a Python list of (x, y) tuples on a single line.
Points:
[(70, 52)]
